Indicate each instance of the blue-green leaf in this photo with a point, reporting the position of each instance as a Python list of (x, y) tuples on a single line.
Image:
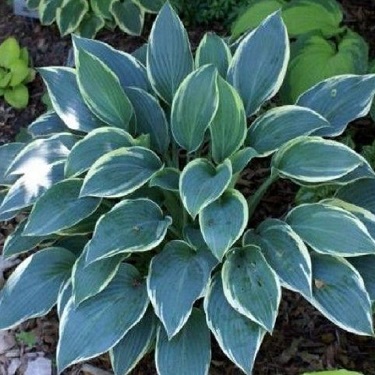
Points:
[(201, 183), (7, 154), (259, 64), (365, 266), (251, 286), (167, 179), (46, 125), (177, 278)]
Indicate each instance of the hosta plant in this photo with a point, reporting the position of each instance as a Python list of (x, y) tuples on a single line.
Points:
[(15, 73), (142, 234), (87, 17), (322, 48)]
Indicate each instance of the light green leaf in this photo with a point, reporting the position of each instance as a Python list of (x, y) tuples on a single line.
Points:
[(67, 100), (251, 286), (223, 221), (339, 293), (17, 97), (267, 43), (286, 253), (201, 183), (19, 71), (120, 172), (135, 344), (64, 207), (238, 336), (129, 16), (135, 225), (102, 91), (169, 58), (280, 125), (118, 308), (189, 352), (150, 117), (314, 159), (228, 127), (70, 14), (213, 50), (90, 279), (9, 51), (177, 277), (32, 288), (194, 107), (95, 144), (331, 230)]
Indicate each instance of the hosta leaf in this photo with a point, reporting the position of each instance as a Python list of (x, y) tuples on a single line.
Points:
[(47, 10), (241, 158), (360, 193), (135, 225), (135, 344), (194, 107), (90, 25), (339, 294), (96, 144), (223, 221), (152, 6), (169, 58), (102, 8), (67, 100), (177, 277), (64, 207), (213, 50), (17, 243), (47, 125), (167, 179), (129, 16), (189, 352), (118, 308), (28, 188), (267, 43), (90, 279), (365, 266), (150, 117), (201, 183), (331, 230), (120, 172), (41, 153), (70, 15), (238, 336), (63, 297), (127, 69), (228, 127), (32, 288), (286, 253), (251, 286), (17, 97), (314, 159), (101, 90), (340, 100), (7, 154), (280, 125)]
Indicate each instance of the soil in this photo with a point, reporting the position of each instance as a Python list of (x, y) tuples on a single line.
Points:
[(303, 340)]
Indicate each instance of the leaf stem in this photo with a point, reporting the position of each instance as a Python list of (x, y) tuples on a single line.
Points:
[(254, 200)]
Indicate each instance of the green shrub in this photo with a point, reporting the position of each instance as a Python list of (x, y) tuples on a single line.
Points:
[(87, 17), (14, 73), (323, 48), (143, 238)]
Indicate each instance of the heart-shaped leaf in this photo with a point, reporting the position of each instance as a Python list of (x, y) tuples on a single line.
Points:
[(223, 221), (177, 278), (331, 230), (238, 336), (42, 273), (194, 107), (201, 183), (135, 225), (118, 308), (265, 53), (169, 58), (251, 286), (120, 172)]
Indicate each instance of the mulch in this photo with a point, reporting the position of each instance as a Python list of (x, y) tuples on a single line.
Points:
[(303, 340)]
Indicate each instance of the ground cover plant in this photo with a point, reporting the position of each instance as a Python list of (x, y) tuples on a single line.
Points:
[(322, 47), (143, 238), (87, 17), (15, 73)]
